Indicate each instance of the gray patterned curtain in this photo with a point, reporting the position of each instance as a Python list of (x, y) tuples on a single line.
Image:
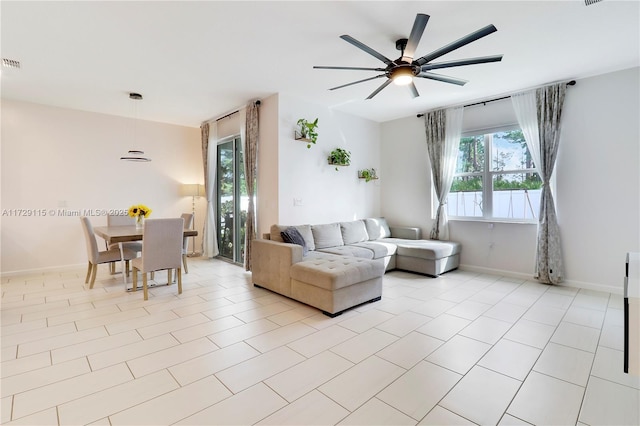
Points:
[(443, 129), (549, 264), (250, 170)]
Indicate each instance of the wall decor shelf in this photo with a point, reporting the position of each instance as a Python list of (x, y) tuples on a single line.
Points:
[(297, 136), (306, 131), (368, 174), (339, 157)]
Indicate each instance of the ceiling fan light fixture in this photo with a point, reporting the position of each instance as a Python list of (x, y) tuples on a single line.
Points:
[(402, 76)]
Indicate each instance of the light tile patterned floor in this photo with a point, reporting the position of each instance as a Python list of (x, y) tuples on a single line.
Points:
[(460, 349)]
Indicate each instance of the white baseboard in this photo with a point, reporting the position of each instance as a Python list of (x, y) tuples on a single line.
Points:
[(493, 271), (42, 271), (594, 286), (567, 283)]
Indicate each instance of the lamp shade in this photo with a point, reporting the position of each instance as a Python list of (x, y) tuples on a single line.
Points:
[(192, 190)]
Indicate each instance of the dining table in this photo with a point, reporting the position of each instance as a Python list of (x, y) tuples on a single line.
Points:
[(122, 234)]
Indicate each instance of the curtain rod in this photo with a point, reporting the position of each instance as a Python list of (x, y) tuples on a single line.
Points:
[(257, 102), (571, 83)]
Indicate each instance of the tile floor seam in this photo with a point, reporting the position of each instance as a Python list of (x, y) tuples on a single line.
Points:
[(522, 382), (584, 394)]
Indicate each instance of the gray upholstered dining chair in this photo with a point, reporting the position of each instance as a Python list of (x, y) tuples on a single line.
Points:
[(161, 250), (97, 257), (122, 220), (188, 223)]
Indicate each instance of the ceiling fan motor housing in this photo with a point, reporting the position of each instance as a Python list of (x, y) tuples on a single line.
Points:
[(401, 67)]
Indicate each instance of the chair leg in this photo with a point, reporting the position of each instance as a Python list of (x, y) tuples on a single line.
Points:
[(179, 274), (184, 263), (86, 280), (144, 286), (126, 267), (94, 272), (169, 276), (153, 274), (135, 279)]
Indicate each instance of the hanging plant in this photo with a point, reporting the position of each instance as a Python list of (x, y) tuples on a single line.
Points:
[(307, 131), (367, 174), (340, 157)]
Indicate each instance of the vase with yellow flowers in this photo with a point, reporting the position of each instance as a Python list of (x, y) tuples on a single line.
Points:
[(139, 212)]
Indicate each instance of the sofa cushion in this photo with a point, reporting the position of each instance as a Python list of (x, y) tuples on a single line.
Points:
[(379, 248), (328, 235), (353, 232), (292, 236), (351, 250), (377, 228), (427, 249), (305, 231)]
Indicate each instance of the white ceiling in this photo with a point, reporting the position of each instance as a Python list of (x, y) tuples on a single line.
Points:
[(194, 61)]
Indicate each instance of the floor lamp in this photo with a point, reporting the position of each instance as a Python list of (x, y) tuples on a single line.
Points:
[(193, 190)]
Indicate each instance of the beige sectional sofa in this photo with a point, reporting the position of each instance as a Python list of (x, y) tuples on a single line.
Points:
[(341, 265)]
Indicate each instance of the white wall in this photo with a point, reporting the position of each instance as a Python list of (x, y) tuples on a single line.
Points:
[(60, 159), (598, 185), (325, 195)]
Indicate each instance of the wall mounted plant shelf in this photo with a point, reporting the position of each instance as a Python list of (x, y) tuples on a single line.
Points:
[(306, 131), (367, 174), (339, 157)]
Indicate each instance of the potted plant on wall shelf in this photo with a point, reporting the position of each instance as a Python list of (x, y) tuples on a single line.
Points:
[(339, 157), (307, 131), (367, 174)]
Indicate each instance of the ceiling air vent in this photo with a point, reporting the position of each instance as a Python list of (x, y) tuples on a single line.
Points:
[(590, 2), (10, 63)]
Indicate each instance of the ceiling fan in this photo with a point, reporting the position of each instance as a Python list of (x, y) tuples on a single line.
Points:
[(405, 68)]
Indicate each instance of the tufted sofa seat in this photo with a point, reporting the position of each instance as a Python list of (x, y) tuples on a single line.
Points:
[(336, 283), (341, 265)]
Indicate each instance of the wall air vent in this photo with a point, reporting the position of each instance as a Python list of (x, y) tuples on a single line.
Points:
[(10, 63), (590, 2)]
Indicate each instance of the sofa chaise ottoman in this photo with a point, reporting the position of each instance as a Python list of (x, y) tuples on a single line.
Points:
[(338, 266), (336, 284)]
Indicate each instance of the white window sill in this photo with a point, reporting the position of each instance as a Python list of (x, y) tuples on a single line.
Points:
[(493, 220)]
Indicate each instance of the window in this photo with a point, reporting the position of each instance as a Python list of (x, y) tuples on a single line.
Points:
[(495, 178)]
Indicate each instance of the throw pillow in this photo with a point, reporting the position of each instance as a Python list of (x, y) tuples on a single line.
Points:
[(292, 236)]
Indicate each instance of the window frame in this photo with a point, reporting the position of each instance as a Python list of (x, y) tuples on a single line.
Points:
[(487, 177)]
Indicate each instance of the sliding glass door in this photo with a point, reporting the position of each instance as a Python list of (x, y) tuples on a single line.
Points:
[(232, 200)]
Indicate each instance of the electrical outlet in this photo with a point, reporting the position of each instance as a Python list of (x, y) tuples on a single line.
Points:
[(297, 201)]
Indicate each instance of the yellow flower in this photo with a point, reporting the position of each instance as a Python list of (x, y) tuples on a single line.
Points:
[(139, 210)]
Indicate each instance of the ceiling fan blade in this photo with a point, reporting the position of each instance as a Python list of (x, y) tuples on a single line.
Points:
[(414, 38), (375, 92), (366, 48), (470, 61), (444, 78), (359, 81), (348, 68), (482, 32), (414, 90)]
